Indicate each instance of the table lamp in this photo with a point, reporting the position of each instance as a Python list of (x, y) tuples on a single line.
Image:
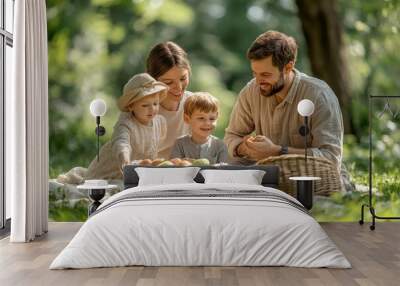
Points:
[(305, 183), (98, 108)]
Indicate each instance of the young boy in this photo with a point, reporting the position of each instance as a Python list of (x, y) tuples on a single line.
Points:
[(201, 114)]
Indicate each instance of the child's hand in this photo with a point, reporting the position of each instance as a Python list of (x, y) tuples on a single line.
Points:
[(123, 159)]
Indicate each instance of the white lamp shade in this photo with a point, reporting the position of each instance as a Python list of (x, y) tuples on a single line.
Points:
[(98, 107), (305, 107)]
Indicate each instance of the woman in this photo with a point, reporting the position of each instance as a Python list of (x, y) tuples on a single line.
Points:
[(167, 62)]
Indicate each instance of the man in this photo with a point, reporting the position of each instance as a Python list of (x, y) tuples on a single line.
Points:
[(267, 105)]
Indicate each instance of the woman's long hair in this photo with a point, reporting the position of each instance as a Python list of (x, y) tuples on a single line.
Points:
[(165, 56)]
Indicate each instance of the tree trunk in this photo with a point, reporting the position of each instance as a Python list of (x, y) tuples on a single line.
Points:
[(323, 33)]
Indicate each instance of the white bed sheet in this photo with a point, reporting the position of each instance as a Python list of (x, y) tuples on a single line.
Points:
[(200, 231)]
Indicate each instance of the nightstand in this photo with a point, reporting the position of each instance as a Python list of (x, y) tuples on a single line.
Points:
[(96, 190)]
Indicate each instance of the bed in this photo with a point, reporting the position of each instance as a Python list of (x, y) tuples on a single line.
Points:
[(201, 224)]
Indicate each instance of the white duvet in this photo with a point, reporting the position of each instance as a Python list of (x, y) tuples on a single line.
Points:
[(183, 231)]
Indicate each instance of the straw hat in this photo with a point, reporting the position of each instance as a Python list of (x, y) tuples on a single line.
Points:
[(138, 87)]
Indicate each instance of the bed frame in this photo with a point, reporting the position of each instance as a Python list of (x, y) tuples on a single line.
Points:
[(270, 179)]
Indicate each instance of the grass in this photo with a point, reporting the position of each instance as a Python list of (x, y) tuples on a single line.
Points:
[(65, 212), (338, 207), (63, 209)]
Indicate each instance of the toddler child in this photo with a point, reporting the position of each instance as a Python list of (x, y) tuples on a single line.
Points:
[(138, 131)]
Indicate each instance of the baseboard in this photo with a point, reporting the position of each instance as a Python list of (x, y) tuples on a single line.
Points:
[(5, 231)]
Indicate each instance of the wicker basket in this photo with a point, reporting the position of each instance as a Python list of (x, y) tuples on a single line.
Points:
[(294, 165)]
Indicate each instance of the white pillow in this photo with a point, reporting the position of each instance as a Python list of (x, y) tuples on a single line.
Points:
[(163, 176), (249, 177)]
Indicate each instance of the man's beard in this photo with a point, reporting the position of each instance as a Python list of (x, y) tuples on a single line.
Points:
[(277, 87)]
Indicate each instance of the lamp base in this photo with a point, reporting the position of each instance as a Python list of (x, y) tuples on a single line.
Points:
[(305, 193), (305, 190), (96, 195)]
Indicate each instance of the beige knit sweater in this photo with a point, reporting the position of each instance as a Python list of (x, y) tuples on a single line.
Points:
[(131, 138)]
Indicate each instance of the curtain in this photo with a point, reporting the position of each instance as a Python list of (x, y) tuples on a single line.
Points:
[(27, 124)]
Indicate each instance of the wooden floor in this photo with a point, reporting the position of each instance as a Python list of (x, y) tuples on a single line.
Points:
[(374, 255)]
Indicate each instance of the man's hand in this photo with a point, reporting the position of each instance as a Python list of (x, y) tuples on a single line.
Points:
[(243, 150), (261, 147)]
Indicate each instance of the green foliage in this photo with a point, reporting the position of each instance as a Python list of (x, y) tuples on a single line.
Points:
[(61, 208), (372, 37), (347, 206), (385, 142), (64, 212), (96, 46)]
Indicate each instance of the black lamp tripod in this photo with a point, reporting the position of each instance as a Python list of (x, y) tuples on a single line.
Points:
[(370, 205), (100, 131), (304, 131), (305, 187)]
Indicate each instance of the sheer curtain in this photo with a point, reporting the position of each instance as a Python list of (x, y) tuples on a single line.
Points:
[(27, 124)]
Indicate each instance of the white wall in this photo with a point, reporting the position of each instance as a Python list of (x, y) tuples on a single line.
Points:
[(8, 85)]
